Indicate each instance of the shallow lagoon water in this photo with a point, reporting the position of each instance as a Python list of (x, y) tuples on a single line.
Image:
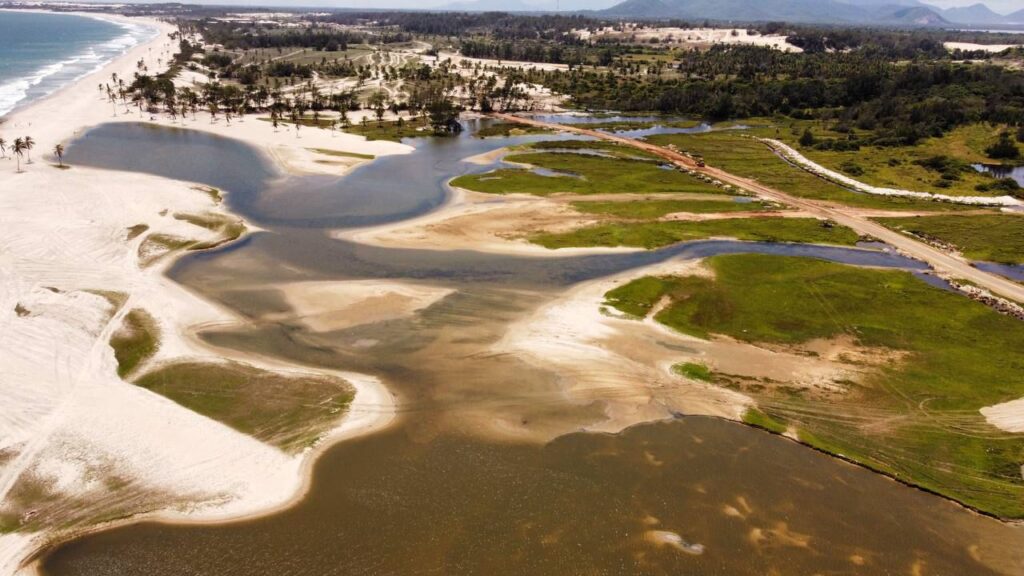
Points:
[(431, 495)]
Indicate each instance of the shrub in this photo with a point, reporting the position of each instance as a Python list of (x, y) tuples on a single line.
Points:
[(1004, 148)]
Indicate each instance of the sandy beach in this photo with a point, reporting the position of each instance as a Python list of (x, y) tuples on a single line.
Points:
[(69, 426)]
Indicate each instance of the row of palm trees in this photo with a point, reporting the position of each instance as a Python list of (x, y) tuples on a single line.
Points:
[(22, 147)]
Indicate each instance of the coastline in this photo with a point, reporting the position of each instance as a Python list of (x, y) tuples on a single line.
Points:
[(125, 23), (65, 243)]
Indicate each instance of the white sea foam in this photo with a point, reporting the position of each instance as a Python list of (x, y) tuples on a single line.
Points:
[(52, 77)]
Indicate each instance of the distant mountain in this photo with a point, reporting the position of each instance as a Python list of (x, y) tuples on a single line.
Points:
[(890, 12), (1016, 18), (526, 6), (974, 14), (872, 12), (913, 16), (640, 9)]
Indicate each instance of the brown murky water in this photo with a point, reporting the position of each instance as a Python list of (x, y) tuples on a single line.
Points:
[(443, 492)]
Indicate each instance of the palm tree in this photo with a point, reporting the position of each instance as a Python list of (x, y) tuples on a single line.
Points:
[(19, 151), (29, 144), (58, 151)]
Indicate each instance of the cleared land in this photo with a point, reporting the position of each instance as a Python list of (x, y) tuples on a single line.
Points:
[(988, 237), (916, 416), (290, 412)]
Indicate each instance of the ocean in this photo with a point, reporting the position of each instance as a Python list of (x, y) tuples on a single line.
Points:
[(41, 52)]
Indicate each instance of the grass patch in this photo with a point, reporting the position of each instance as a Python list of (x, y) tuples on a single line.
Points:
[(509, 129), (742, 156), (657, 234), (286, 411), (585, 174), (638, 297), (650, 209), (342, 154), (608, 148), (393, 131), (755, 417), (135, 342), (624, 125), (989, 237), (694, 371), (916, 419)]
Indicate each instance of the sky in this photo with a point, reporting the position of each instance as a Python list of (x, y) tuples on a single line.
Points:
[(1004, 6), (1001, 6)]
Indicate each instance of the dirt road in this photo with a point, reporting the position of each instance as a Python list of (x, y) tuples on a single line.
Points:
[(944, 263)]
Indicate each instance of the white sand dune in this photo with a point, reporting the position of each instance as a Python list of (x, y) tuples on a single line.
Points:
[(67, 422)]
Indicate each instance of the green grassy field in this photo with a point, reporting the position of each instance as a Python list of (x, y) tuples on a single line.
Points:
[(288, 412), (657, 234), (906, 167), (584, 174), (915, 418), (989, 237), (649, 209), (135, 342), (731, 151)]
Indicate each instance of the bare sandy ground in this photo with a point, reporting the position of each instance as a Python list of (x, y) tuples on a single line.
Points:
[(991, 48), (328, 306), (68, 425), (482, 222), (695, 37), (1007, 416)]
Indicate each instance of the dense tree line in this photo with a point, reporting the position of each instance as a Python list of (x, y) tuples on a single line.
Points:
[(900, 102), (232, 36), (497, 25)]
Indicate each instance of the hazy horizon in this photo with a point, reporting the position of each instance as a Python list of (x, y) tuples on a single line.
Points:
[(1000, 6)]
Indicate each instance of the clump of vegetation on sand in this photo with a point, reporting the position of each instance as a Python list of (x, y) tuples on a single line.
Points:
[(135, 341), (343, 154), (916, 418), (657, 234), (290, 412), (508, 129)]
